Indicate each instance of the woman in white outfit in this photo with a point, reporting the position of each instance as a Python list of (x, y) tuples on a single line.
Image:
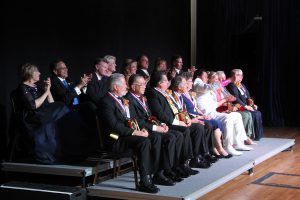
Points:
[(234, 133)]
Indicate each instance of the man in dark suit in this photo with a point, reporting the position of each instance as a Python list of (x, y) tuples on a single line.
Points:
[(82, 114), (143, 66), (122, 133), (137, 86), (176, 68), (97, 88), (164, 108), (242, 95), (63, 88), (111, 61)]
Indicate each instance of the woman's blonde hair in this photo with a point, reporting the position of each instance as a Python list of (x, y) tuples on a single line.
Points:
[(211, 75), (26, 71)]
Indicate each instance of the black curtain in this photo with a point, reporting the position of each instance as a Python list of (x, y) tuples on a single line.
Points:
[(261, 38), (40, 31)]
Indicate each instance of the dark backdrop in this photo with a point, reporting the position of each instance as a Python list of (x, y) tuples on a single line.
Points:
[(41, 31), (228, 37), (266, 50)]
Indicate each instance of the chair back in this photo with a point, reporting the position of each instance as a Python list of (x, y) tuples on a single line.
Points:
[(15, 126), (100, 133)]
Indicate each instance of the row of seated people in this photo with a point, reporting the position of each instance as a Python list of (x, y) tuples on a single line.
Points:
[(169, 134)]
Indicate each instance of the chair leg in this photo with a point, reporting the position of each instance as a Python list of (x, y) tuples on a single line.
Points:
[(96, 173), (135, 169), (13, 148), (115, 168), (119, 169)]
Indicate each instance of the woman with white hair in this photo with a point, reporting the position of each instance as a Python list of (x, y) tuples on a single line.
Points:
[(234, 131)]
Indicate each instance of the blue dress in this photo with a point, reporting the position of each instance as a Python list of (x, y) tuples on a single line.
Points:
[(40, 124), (190, 107)]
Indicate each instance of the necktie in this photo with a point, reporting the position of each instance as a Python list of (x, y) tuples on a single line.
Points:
[(66, 84), (75, 100)]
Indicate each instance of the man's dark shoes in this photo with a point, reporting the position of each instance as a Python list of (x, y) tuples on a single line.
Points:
[(182, 172), (211, 158), (172, 175), (199, 162), (160, 179), (146, 185), (190, 171)]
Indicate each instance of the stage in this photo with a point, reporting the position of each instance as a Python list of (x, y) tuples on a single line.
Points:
[(195, 186)]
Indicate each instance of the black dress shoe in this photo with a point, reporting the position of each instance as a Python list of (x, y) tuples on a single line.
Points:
[(182, 172), (228, 156), (186, 167), (172, 175), (160, 179), (146, 185), (211, 158), (199, 163), (219, 156), (190, 171)]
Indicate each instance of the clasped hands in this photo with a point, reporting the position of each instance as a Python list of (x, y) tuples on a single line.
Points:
[(163, 128), (47, 84), (143, 133)]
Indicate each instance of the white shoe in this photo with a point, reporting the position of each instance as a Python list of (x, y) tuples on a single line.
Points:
[(242, 147), (232, 151)]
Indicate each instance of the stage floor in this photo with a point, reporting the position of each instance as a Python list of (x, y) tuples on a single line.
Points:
[(195, 186)]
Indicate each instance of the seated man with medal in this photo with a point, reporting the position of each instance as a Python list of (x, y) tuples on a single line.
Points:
[(163, 107), (121, 130), (164, 160), (243, 97)]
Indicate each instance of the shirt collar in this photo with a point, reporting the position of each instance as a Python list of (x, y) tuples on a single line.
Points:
[(61, 79), (99, 77)]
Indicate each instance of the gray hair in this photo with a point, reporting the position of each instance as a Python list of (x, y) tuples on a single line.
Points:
[(221, 73), (176, 82), (109, 58), (115, 79), (234, 71), (187, 75)]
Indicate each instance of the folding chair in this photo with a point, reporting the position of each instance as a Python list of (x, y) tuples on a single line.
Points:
[(115, 157), (15, 126)]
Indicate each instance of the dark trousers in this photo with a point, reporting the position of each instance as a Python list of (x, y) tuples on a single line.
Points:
[(257, 123), (156, 139), (163, 157), (199, 140), (179, 140), (209, 136), (187, 148), (139, 145), (87, 112)]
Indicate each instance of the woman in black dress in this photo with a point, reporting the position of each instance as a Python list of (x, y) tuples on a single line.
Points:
[(40, 116)]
